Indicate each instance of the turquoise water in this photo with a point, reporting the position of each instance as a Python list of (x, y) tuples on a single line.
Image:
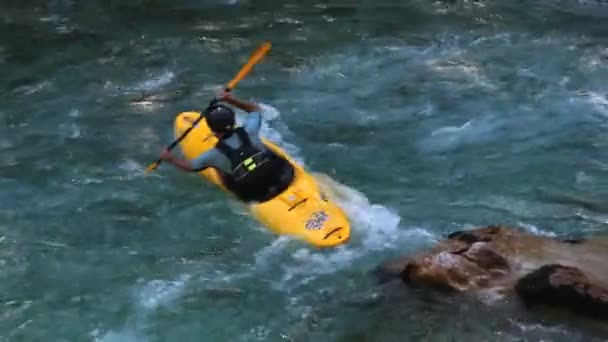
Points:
[(430, 118)]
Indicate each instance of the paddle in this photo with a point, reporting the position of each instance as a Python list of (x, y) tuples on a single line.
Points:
[(255, 57)]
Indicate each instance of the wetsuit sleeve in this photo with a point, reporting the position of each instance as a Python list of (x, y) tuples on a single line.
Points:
[(253, 123), (203, 161)]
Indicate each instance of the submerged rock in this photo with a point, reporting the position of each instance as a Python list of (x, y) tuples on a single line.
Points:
[(508, 261)]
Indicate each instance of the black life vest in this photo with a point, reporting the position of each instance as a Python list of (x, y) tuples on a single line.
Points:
[(255, 174), (245, 159)]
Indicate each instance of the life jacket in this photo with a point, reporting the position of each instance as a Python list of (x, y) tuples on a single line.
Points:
[(256, 175)]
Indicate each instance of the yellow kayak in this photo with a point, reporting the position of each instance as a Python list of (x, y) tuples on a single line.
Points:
[(302, 210)]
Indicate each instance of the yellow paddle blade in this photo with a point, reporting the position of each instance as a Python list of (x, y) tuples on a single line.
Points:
[(151, 167), (256, 56)]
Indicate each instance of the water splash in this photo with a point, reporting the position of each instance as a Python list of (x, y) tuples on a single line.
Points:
[(33, 88), (270, 115), (378, 225), (475, 131), (131, 166), (124, 335), (157, 82), (597, 100), (536, 230), (70, 130), (375, 228), (158, 293)]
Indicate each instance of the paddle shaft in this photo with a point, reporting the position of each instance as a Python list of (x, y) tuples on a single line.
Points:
[(200, 117)]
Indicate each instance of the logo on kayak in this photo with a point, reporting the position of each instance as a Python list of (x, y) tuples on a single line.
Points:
[(316, 220), (324, 196)]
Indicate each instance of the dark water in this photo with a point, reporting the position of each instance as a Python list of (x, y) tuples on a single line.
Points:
[(433, 118)]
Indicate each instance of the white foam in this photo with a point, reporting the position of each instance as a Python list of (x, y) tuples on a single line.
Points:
[(595, 60), (377, 224), (597, 218), (374, 228), (538, 327), (125, 335), (131, 166), (70, 130), (86, 181), (149, 296), (597, 100), (491, 296), (5, 143), (223, 45), (288, 20), (536, 230), (32, 89), (270, 114), (473, 131), (451, 129), (158, 293), (582, 178), (300, 266), (452, 63), (132, 169), (157, 82), (147, 106), (260, 333), (53, 18)]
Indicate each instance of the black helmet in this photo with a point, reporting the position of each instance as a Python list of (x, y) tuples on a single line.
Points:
[(220, 119)]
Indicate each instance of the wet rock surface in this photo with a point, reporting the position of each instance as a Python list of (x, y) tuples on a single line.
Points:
[(540, 270), (567, 287)]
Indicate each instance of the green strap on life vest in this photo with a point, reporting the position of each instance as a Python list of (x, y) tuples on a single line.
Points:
[(249, 164)]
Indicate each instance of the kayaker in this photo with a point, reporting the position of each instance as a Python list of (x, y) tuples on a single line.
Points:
[(248, 169)]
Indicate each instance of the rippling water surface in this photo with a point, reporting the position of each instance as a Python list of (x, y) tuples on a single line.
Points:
[(424, 117)]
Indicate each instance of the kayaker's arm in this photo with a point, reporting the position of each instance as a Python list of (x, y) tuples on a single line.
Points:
[(179, 163), (249, 107)]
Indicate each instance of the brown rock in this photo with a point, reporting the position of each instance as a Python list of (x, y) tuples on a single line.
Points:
[(494, 258), (466, 260), (564, 286)]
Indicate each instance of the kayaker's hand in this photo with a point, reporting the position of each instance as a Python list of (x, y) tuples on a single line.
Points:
[(166, 155), (229, 98), (224, 95)]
